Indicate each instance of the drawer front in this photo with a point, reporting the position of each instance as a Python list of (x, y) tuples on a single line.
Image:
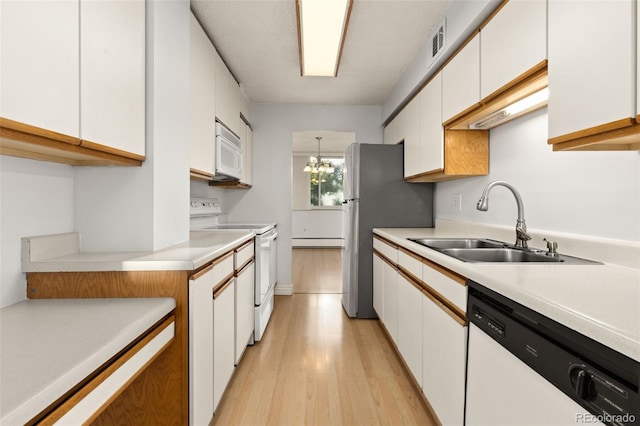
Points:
[(222, 269), (243, 255), (390, 252), (410, 263), (452, 288)]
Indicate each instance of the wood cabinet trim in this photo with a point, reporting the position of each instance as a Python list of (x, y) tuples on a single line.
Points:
[(411, 254), (622, 135), (413, 280), (447, 272), (425, 175), (200, 174), (455, 314), (201, 272), (244, 267), (244, 245), (52, 414), (109, 150), (223, 285), (385, 259), (26, 141), (214, 262), (386, 241), (230, 185)]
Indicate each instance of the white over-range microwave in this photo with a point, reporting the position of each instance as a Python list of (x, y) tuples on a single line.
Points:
[(228, 155)]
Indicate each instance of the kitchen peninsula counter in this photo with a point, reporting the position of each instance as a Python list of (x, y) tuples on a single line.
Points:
[(61, 253), (49, 347), (601, 301)]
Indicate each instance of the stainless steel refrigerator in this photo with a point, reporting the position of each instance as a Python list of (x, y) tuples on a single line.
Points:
[(376, 196)]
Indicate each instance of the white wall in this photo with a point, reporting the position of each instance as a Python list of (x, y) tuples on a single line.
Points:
[(270, 197), (588, 193), (316, 224), (36, 198), (147, 208)]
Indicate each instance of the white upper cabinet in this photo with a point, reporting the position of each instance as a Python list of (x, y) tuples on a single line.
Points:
[(203, 102), (513, 42), (431, 131), (591, 64), (40, 64), (247, 151), (638, 63), (112, 76), (461, 80), (237, 99), (223, 91), (412, 142)]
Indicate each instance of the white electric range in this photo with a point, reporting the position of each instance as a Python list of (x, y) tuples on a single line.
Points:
[(204, 217)]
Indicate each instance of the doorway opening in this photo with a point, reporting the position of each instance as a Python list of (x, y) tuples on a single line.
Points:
[(318, 169)]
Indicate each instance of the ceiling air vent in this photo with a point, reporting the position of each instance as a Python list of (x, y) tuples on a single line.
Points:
[(437, 40)]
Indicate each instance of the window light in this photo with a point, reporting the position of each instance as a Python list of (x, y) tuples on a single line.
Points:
[(322, 27)]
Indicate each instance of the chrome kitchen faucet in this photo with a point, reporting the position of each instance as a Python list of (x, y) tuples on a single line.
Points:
[(521, 227)]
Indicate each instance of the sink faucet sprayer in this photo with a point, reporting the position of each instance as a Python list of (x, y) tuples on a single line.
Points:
[(521, 227)]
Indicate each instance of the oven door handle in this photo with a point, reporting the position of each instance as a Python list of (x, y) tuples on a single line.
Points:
[(269, 236)]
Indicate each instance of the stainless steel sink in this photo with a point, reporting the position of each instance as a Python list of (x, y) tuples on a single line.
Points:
[(479, 250), (458, 243)]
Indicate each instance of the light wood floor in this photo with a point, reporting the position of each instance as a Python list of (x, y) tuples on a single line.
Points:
[(316, 270), (315, 366)]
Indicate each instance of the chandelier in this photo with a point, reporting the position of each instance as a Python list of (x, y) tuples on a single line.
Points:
[(319, 166)]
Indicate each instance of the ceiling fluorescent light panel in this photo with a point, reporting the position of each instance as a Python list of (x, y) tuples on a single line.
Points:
[(322, 26)]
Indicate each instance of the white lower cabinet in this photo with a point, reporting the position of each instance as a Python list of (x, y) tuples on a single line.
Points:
[(410, 325), (422, 306), (390, 302), (444, 356), (245, 311), (223, 338), (378, 285), (202, 335)]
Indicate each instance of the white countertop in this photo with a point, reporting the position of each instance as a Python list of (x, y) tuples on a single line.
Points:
[(60, 253), (599, 301), (49, 346)]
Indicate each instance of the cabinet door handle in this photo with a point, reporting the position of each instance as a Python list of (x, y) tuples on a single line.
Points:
[(221, 288)]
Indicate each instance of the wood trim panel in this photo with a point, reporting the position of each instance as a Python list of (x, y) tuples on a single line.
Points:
[(109, 150), (385, 259), (456, 314), (230, 185), (386, 241), (411, 254), (26, 141), (220, 288), (466, 152), (160, 395), (244, 245), (413, 280), (16, 128), (620, 135), (77, 394), (199, 174), (201, 272), (298, 27), (527, 83), (212, 263), (444, 271), (244, 267)]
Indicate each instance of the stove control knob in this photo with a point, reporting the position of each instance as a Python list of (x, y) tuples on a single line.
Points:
[(582, 382)]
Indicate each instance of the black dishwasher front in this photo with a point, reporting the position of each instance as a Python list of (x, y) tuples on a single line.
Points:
[(598, 378)]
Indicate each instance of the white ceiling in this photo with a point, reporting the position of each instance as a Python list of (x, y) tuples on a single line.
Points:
[(258, 41)]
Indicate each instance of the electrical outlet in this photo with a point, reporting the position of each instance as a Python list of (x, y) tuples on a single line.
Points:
[(457, 201)]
